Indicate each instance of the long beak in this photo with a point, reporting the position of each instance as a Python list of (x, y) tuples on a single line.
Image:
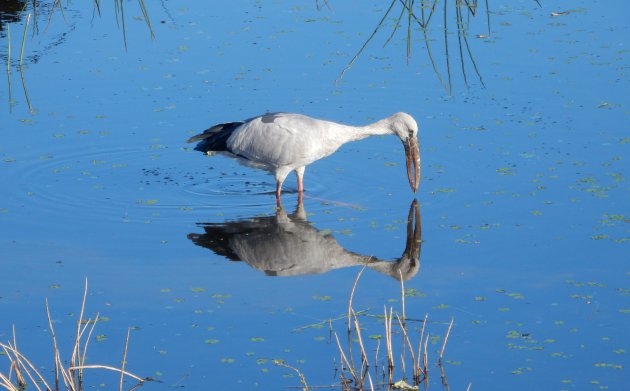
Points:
[(412, 150)]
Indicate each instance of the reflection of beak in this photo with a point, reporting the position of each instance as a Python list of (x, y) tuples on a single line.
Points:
[(412, 150), (414, 231)]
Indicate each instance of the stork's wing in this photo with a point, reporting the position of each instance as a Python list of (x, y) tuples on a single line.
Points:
[(282, 139), (215, 138)]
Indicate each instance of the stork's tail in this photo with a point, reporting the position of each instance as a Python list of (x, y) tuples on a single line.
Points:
[(215, 138)]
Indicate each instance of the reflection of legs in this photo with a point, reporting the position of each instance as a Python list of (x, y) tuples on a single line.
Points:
[(278, 190), (278, 202)]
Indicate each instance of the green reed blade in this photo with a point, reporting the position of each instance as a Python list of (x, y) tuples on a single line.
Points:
[(97, 4), (28, 19), (378, 27), (460, 32), (448, 62), (8, 47), (122, 19), (488, 17), (145, 14), (409, 17), (396, 25), (28, 101)]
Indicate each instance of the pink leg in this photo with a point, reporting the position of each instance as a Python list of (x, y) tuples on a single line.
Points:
[(299, 172)]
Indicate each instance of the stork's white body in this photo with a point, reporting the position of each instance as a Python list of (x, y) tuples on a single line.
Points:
[(285, 142), (281, 143)]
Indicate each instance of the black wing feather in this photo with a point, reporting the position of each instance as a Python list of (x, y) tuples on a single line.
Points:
[(215, 138)]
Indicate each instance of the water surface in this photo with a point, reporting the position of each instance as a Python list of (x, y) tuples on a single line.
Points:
[(523, 197)]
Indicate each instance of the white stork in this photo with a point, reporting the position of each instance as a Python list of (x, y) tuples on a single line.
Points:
[(284, 142)]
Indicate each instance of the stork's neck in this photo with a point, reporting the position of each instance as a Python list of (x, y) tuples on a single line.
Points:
[(377, 128)]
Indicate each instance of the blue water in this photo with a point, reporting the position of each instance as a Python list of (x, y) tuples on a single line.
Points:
[(524, 198)]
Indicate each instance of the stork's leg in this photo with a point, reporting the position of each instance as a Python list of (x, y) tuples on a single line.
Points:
[(280, 174), (299, 172)]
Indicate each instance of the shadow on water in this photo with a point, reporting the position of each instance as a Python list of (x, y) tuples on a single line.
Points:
[(288, 245), (10, 12)]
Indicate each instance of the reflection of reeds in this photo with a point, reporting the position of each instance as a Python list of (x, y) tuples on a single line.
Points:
[(23, 372), (28, 101), (427, 10), (9, 66), (36, 5), (119, 12), (20, 65)]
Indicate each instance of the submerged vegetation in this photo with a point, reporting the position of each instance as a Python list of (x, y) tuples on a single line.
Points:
[(404, 365), (69, 375)]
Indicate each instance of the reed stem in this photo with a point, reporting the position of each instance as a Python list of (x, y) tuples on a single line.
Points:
[(28, 19)]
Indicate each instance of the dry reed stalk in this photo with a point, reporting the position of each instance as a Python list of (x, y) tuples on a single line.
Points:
[(378, 346), (75, 358), (426, 358), (345, 361), (22, 360), (54, 339), (402, 295), (14, 368), (19, 377), (350, 310), (89, 336), (448, 332), (388, 339), (109, 368), (445, 384), (354, 286), (124, 361), (408, 340), (6, 383), (364, 360), (401, 322), (300, 375), (418, 366), (420, 363), (370, 381), (72, 376)]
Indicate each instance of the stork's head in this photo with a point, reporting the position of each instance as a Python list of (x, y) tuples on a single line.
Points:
[(405, 127)]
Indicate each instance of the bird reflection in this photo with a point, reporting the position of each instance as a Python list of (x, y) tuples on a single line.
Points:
[(288, 245), (10, 12)]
